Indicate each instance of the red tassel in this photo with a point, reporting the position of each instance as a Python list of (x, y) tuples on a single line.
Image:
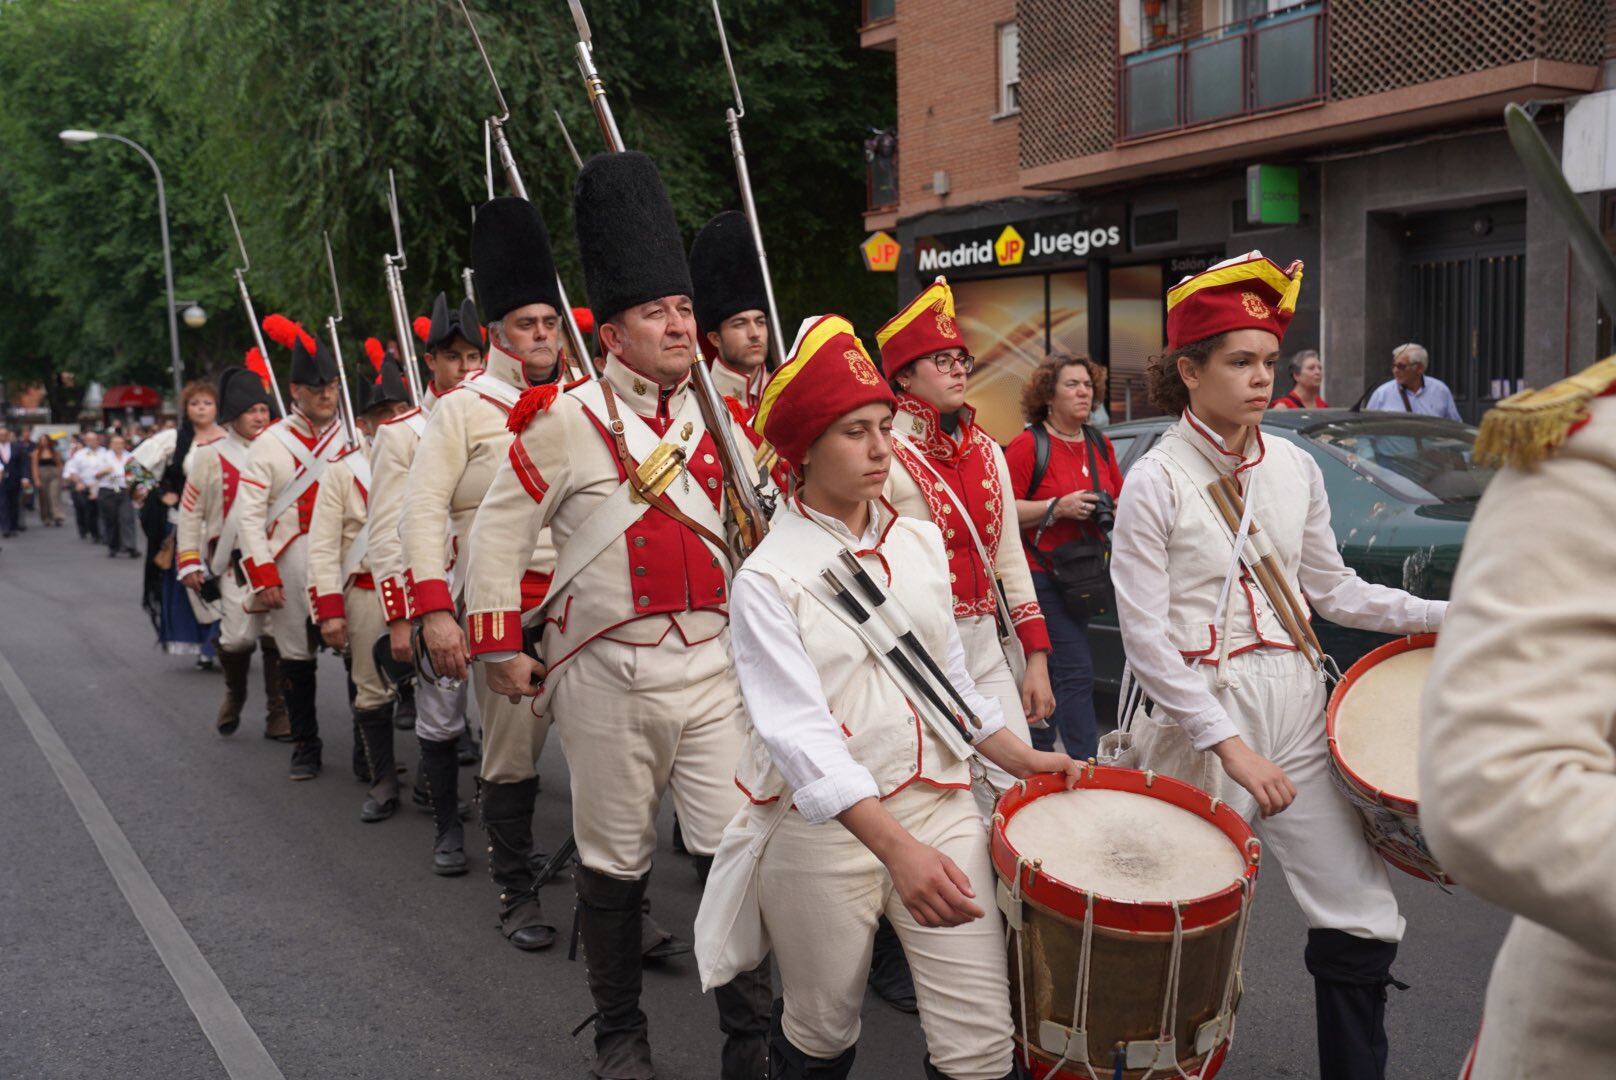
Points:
[(283, 332), (735, 410), (534, 400), (377, 354), (258, 365), (422, 327), (484, 330), (585, 319)]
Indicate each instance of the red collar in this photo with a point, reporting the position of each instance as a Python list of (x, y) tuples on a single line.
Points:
[(1201, 435), (925, 425)]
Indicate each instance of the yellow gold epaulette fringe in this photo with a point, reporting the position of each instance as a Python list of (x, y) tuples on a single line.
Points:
[(1524, 429)]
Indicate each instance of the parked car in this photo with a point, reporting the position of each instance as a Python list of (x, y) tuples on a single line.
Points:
[(1402, 491)]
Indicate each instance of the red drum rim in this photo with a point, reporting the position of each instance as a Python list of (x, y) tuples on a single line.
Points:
[(1131, 916), (1402, 804)]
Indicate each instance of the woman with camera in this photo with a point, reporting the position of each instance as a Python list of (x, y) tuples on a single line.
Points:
[(1066, 482)]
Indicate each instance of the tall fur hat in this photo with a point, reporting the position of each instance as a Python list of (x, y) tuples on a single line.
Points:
[(510, 255), (628, 237), (724, 267)]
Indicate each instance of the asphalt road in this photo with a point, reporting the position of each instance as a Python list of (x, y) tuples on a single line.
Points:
[(345, 955)]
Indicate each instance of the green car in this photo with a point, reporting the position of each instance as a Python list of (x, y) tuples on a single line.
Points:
[(1402, 491)]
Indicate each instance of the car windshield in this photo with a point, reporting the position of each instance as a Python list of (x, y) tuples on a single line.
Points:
[(1419, 459)]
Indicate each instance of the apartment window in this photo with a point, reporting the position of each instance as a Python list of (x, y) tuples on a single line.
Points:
[(1009, 69)]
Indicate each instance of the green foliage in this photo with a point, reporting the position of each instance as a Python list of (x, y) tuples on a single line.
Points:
[(297, 108)]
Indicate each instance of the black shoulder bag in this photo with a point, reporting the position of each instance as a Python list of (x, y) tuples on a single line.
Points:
[(1080, 569)]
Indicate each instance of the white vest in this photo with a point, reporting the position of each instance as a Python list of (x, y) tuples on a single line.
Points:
[(883, 732), (1200, 546)]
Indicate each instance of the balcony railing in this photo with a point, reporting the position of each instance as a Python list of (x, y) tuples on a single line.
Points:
[(881, 170), (879, 11), (1272, 61)]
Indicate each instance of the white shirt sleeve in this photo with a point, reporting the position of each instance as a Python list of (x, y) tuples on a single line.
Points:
[(1145, 516), (787, 704), (988, 710), (1339, 594)]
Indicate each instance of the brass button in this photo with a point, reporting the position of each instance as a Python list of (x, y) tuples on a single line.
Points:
[(639, 571), (712, 481), (639, 541), (645, 601)]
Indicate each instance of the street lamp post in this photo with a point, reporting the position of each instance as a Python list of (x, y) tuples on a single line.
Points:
[(75, 136)]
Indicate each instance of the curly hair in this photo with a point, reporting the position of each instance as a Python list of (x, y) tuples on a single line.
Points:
[(1039, 390), (196, 388), (1164, 386)]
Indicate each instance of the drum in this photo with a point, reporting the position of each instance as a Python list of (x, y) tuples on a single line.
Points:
[(1127, 900), (1373, 724)]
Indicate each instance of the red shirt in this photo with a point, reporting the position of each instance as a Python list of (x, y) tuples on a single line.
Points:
[(1068, 472), (1291, 401)]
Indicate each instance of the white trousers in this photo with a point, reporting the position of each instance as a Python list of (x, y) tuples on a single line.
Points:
[(1277, 703), (366, 622), (440, 715), (289, 623), (239, 630), (636, 721), (822, 893), (513, 737)]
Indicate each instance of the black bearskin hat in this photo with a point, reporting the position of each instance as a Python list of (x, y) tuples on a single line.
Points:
[(239, 390), (724, 267), (510, 255), (628, 237)]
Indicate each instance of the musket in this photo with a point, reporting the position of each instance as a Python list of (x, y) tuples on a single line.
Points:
[(350, 433), (466, 276), (749, 502), (495, 134), (566, 137), (252, 316), (393, 272), (732, 118)]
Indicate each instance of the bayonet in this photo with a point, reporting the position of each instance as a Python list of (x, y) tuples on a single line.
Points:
[(345, 404), (246, 302), (393, 275)]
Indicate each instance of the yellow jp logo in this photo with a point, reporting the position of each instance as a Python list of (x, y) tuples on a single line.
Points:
[(1009, 247)]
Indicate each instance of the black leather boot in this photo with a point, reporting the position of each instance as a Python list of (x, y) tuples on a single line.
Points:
[(237, 666), (508, 817), (277, 724), (745, 1004), (1350, 976), (404, 705), (298, 688), (440, 773), (889, 969), (376, 738), (609, 913), (786, 1062)]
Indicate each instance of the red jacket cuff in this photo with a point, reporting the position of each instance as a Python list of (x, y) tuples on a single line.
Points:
[(1031, 630), (494, 631), (429, 595), (262, 575), (395, 603), (328, 606)]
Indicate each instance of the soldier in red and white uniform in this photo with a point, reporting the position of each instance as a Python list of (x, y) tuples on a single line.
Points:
[(731, 307), (453, 349), (277, 494), (464, 444), (342, 590), (637, 674), (207, 546)]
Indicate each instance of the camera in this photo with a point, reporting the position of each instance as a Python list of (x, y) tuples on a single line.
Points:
[(1105, 511)]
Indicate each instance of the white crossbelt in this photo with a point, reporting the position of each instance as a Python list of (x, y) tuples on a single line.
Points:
[(310, 464), (359, 465), (236, 455)]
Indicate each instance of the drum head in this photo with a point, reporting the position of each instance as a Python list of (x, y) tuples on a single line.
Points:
[(1125, 846), (1377, 722)]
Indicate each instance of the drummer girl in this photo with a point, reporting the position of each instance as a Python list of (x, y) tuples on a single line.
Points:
[(879, 819), (1237, 706)]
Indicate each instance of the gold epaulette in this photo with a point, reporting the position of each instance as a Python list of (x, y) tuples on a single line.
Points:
[(1524, 429)]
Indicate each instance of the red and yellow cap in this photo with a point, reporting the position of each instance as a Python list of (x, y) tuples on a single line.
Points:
[(828, 374), (925, 326), (1249, 292)]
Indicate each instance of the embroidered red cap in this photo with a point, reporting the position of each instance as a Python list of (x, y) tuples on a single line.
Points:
[(1249, 292), (926, 325), (828, 374)]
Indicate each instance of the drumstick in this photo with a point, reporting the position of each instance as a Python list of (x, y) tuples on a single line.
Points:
[(1261, 569), (1297, 611)]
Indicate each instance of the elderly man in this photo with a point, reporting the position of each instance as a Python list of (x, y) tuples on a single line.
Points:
[(1410, 389)]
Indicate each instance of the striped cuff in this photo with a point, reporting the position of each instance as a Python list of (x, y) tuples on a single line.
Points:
[(494, 631), (187, 562)]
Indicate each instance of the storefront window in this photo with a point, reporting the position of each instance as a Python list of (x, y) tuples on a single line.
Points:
[(1004, 321), (1136, 336)]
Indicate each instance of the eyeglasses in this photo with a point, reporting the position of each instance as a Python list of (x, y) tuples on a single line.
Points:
[(944, 362)]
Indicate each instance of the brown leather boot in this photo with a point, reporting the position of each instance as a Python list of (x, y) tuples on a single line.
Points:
[(277, 724), (236, 667)]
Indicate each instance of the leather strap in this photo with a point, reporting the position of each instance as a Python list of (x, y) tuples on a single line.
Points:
[(631, 468)]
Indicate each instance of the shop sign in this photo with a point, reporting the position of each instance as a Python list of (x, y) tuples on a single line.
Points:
[(1273, 195), (880, 253), (1040, 242)]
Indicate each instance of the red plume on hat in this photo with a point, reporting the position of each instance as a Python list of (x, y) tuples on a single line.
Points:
[(586, 320), (422, 327), (284, 332), (258, 365), (376, 354)]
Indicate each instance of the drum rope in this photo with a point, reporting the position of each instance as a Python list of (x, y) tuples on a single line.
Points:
[(1247, 887), (1169, 1019), (1013, 936), (1080, 998)]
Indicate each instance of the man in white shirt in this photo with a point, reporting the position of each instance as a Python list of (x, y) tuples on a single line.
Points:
[(1411, 390), (105, 472), (85, 512)]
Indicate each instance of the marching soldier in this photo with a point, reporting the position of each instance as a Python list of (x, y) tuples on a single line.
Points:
[(207, 547), (342, 591), (731, 307), (1518, 788), (277, 497), (465, 441), (453, 349), (638, 673)]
